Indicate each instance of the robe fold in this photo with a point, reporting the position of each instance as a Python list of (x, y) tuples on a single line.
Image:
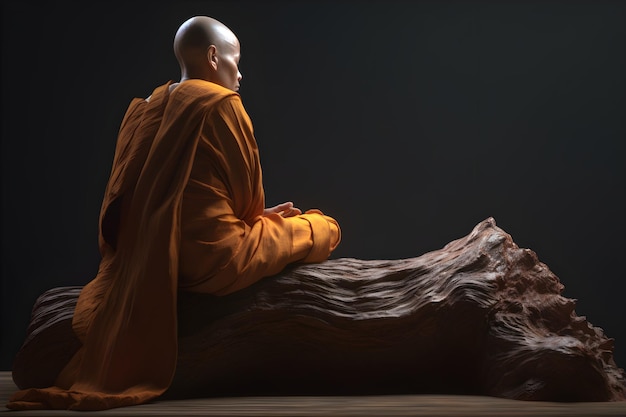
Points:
[(183, 208)]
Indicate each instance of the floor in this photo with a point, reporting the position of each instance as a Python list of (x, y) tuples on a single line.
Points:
[(383, 406)]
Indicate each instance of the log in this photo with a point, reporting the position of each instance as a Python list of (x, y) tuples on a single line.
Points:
[(480, 316)]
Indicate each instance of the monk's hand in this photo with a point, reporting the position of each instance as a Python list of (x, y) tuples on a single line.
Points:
[(285, 209)]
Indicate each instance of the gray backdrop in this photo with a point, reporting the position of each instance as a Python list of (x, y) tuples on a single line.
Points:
[(409, 122)]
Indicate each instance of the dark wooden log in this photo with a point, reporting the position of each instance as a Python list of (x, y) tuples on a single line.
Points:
[(480, 316), (49, 343)]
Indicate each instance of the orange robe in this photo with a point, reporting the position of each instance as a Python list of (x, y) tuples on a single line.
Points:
[(183, 208)]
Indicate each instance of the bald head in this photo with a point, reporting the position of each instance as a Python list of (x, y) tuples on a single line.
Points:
[(207, 49)]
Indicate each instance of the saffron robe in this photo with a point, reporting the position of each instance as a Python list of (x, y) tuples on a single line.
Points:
[(183, 208)]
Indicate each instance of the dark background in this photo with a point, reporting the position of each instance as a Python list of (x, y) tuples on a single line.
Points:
[(409, 122)]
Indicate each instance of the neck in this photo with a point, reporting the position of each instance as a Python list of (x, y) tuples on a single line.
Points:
[(189, 74)]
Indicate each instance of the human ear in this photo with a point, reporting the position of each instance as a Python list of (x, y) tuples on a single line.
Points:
[(212, 56)]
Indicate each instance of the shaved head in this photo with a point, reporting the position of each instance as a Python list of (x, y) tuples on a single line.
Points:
[(207, 49)]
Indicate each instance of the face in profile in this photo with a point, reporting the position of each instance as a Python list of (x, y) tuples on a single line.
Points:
[(228, 55)]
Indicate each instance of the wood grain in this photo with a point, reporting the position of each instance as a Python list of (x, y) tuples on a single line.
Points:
[(479, 317)]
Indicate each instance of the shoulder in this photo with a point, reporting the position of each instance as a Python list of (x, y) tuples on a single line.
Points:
[(209, 99), (203, 91)]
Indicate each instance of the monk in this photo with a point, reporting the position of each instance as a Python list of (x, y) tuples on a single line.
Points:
[(184, 208)]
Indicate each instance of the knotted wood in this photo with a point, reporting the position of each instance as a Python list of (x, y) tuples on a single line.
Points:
[(480, 316)]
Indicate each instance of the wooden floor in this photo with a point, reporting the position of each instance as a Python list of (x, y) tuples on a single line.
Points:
[(383, 406)]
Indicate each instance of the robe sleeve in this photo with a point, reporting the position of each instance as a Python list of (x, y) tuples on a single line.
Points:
[(227, 243)]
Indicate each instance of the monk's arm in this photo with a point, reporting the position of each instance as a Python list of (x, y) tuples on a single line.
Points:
[(236, 242), (229, 254)]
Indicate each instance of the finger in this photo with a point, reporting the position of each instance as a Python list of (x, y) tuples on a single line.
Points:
[(284, 206)]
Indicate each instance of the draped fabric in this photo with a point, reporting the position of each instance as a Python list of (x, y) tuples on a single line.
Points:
[(183, 207)]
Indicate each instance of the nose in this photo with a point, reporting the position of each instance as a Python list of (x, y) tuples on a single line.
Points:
[(239, 76)]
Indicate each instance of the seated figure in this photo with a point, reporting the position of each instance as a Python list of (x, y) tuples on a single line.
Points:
[(184, 208)]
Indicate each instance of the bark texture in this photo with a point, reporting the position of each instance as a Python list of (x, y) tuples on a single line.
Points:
[(480, 316)]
